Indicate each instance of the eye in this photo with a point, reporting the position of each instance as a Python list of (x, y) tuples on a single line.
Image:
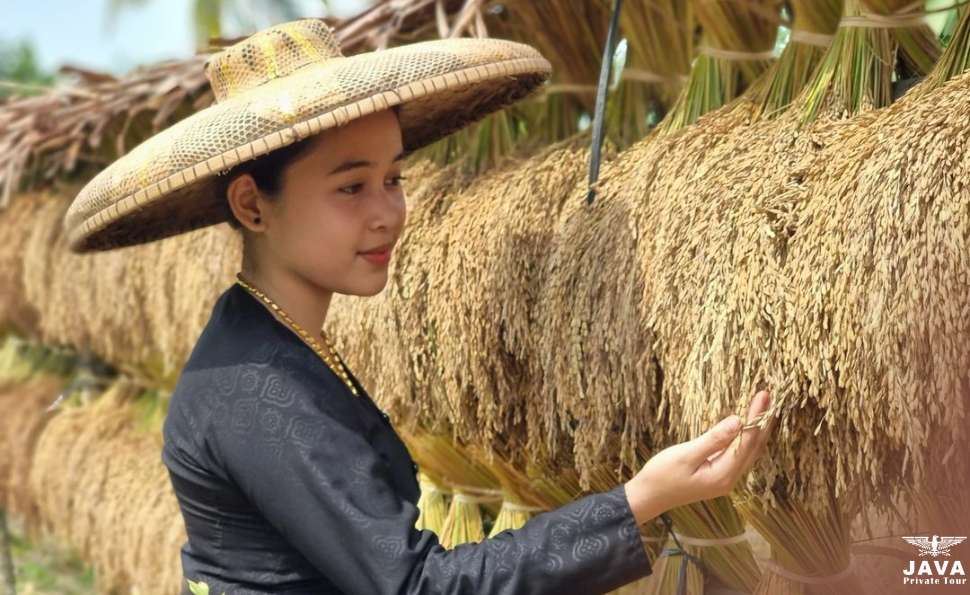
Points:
[(396, 180), (352, 189)]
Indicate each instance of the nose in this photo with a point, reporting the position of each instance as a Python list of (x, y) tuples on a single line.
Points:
[(389, 211)]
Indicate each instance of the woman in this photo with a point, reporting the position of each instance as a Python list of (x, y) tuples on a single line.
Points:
[(289, 478)]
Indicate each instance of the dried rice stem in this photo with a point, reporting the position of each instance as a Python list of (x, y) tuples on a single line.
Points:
[(490, 251), (733, 564), (660, 38), (432, 505), (956, 57), (745, 27), (16, 219), (23, 420), (797, 63), (107, 497), (801, 542), (463, 523), (856, 72)]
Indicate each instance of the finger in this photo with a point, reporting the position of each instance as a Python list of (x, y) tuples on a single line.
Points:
[(713, 440), (759, 405), (757, 438)]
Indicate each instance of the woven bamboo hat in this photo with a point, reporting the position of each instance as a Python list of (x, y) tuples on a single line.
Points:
[(276, 87)]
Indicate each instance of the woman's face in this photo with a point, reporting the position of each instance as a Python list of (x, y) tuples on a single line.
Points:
[(339, 200)]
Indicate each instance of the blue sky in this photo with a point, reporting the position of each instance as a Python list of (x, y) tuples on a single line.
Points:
[(76, 32)]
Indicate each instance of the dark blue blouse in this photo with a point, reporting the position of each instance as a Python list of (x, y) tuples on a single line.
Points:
[(288, 483)]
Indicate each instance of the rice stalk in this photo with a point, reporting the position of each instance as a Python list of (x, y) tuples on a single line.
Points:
[(24, 405), (736, 43), (492, 242), (432, 505), (734, 564), (666, 571), (109, 496), (512, 515), (660, 45), (813, 27), (856, 72), (803, 543), (464, 521), (955, 58), (569, 34), (17, 220)]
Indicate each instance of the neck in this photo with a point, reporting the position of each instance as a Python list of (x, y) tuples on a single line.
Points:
[(304, 302)]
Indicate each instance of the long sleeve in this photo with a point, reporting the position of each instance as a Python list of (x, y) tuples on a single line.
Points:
[(301, 458)]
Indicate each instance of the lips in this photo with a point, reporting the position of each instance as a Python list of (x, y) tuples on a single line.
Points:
[(380, 255), (380, 250)]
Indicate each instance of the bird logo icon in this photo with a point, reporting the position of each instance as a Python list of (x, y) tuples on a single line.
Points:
[(935, 546)]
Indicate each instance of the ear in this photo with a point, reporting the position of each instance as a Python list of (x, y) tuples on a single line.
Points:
[(246, 202)]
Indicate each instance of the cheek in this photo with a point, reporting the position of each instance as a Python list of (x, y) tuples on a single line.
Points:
[(323, 234)]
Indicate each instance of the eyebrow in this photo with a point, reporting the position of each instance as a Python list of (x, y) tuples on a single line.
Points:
[(347, 165)]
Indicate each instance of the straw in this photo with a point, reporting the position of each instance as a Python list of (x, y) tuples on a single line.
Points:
[(856, 72), (735, 48), (432, 504)]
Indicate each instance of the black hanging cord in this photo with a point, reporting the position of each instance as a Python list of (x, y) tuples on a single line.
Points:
[(600, 111), (685, 556)]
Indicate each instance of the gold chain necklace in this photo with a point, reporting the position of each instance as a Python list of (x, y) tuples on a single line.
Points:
[(333, 361)]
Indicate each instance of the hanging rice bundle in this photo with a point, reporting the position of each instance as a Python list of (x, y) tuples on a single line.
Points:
[(386, 339), (876, 38), (83, 300), (807, 550), (101, 496), (432, 504), (24, 406), (753, 309), (599, 352), (712, 269), (736, 47), (594, 355), (142, 307), (464, 524), (814, 23), (887, 318), (660, 41), (511, 516), (62, 470), (956, 58), (570, 35), (182, 277), (722, 211), (470, 483), (714, 532), (521, 496), (485, 269), (16, 220)]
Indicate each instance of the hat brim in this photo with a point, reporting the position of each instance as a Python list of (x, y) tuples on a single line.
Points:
[(167, 184)]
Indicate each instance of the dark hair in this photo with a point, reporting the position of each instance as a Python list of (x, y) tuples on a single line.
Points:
[(267, 171)]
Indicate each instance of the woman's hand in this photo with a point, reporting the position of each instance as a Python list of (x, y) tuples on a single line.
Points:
[(700, 469)]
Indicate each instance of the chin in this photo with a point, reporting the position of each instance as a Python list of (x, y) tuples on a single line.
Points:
[(370, 289)]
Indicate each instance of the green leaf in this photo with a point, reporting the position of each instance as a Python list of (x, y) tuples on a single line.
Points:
[(198, 588)]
